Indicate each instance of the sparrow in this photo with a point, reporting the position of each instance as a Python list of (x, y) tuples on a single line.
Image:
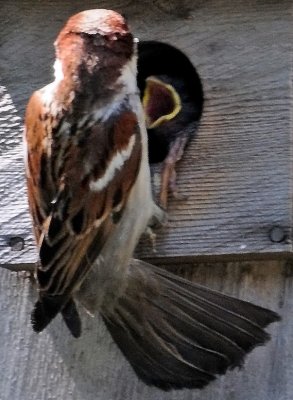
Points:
[(90, 198), (87, 163), (172, 98)]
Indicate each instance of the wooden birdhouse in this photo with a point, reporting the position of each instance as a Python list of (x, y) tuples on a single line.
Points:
[(231, 228)]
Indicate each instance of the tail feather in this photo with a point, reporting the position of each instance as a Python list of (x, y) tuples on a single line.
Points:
[(72, 319), (44, 311), (204, 329), (253, 313), (150, 353), (46, 308), (177, 334), (211, 315)]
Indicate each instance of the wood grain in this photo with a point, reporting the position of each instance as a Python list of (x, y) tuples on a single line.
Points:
[(236, 174), (52, 365)]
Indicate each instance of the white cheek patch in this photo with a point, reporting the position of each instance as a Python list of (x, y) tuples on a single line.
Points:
[(47, 94), (128, 76), (115, 164), (58, 72), (25, 152)]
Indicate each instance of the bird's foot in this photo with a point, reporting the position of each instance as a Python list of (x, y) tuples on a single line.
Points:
[(158, 219), (151, 236), (168, 174)]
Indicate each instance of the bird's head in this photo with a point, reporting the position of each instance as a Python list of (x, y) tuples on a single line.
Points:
[(93, 48)]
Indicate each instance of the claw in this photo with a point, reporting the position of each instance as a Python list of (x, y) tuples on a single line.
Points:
[(151, 235), (158, 220)]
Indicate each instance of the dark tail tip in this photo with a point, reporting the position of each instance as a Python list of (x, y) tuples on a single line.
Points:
[(40, 317), (71, 318), (47, 308)]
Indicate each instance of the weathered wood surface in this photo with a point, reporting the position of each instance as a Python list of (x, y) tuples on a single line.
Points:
[(236, 174), (52, 365)]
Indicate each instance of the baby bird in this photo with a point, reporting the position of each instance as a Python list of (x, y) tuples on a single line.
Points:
[(172, 98)]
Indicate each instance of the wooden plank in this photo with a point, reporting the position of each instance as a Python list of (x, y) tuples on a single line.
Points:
[(240, 167), (14, 218), (53, 365), (236, 174)]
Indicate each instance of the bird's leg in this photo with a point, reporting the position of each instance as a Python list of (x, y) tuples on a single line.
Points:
[(165, 175), (158, 219), (151, 237), (168, 173)]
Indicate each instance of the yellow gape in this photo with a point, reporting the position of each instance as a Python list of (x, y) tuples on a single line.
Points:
[(161, 102)]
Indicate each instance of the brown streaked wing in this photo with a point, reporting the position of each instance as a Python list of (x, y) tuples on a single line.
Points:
[(41, 188), (82, 209), (72, 210)]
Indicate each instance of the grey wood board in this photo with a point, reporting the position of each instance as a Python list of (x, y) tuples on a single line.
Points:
[(52, 365), (236, 174)]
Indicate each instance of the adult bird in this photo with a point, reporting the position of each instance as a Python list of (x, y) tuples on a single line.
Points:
[(90, 198)]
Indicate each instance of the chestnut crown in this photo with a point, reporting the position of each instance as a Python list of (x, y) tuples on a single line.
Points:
[(96, 39)]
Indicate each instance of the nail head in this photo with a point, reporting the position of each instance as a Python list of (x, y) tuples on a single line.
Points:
[(16, 243), (277, 234)]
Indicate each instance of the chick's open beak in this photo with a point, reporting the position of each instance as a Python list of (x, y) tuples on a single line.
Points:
[(161, 102)]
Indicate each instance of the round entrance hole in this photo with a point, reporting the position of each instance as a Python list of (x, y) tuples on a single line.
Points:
[(171, 92)]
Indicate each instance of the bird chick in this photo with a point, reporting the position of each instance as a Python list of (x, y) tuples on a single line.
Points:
[(172, 98)]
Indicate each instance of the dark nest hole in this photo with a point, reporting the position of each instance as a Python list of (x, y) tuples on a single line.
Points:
[(164, 60)]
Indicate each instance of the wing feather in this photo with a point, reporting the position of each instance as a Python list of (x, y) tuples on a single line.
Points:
[(77, 178)]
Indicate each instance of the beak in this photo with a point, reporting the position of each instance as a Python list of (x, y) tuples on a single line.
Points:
[(161, 102)]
